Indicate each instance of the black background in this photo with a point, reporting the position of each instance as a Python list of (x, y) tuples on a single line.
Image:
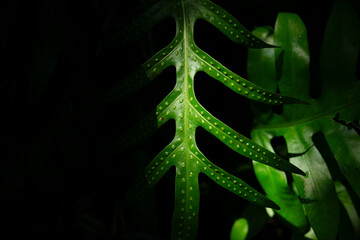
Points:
[(56, 180)]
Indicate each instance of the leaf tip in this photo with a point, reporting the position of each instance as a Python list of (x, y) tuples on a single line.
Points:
[(296, 170), (271, 46), (301, 172), (264, 45), (268, 203), (291, 100), (273, 205)]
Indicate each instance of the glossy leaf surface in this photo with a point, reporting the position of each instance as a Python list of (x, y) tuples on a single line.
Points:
[(298, 123), (274, 182)]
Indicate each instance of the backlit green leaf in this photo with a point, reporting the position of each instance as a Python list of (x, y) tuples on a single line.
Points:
[(239, 229), (298, 123), (273, 181)]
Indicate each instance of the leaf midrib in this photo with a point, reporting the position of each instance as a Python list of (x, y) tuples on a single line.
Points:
[(186, 120), (186, 96), (308, 119)]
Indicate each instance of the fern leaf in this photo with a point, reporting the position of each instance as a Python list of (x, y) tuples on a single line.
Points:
[(240, 143), (239, 84), (232, 183), (228, 25), (182, 106)]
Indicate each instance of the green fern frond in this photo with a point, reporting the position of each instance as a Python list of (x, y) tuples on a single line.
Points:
[(182, 106)]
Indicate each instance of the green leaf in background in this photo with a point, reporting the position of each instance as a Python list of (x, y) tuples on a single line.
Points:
[(339, 102), (276, 187), (290, 206), (239, 229)]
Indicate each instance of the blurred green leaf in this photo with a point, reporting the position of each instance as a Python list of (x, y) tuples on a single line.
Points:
[(311, 235), (239, 229)]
